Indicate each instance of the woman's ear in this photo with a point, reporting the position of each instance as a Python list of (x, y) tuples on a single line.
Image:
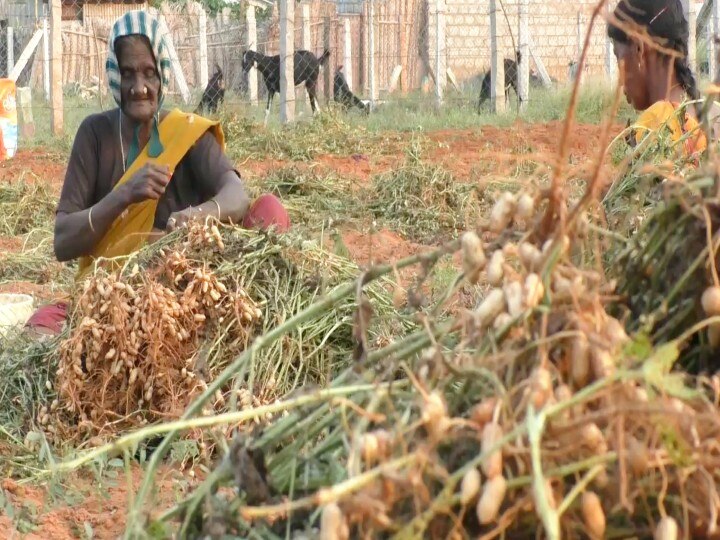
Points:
[(641, 52)]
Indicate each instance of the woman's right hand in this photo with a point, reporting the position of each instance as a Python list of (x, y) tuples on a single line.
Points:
[(148, 183)]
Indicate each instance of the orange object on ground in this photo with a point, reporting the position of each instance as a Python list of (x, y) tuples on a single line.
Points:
[(8, 119)]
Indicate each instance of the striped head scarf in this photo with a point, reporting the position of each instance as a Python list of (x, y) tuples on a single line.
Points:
[(140, 23)]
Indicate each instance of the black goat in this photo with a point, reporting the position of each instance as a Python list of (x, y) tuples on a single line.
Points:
[(307, 70), (344, 96), (511, 80), (214, 93)]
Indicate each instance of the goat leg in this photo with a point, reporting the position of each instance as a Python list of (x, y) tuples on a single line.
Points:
[(267, 109), (314, 105)]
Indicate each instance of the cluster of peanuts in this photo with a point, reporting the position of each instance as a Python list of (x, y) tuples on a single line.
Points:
[(584, 345), (133, 352), (203, 235)]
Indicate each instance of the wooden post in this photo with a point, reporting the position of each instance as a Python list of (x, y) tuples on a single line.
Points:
[(175, 62), (307, 45), (710, 48), (371, 53), (46, 58), (25, 55), (362, 50), (524, 47), (306, 39), (10, 49), (99, 65), (202, 46), (56, 87), (440, 51), (287, 52), (691, 16), (539, 65), (402, 45), (497, 67), (24, 107), (579, 37), (327, 68), (347, 52), (715, 74), (610, 61), (251, 24)]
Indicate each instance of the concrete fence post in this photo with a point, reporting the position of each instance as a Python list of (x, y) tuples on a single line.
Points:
[(56, 68), (497, 67), (10, 49), (202, 46), (524, 47), (371, 52), (287, 52), (306, 44), (347, 52), (251, 24), (440, 51)]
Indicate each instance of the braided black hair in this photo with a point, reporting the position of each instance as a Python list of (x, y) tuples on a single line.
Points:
[(686, 78), (665, 22)]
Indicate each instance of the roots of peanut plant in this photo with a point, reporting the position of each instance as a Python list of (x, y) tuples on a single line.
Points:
[(145, 339)]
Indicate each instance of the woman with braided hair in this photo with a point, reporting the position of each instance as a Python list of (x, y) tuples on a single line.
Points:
[(650, 40)]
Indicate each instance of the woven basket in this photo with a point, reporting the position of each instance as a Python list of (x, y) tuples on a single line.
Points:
[(15, 310)]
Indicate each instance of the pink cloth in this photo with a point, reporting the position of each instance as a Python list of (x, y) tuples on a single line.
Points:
[(49, 319), (267, 211)]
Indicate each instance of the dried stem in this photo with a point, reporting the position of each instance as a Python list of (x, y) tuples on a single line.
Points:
[(535, 424), (127, 441), (556, 188), (310, 313), (327, 495), (579, 488)]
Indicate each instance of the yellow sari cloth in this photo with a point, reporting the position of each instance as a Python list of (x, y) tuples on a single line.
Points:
[(666, 114), (179, 131)]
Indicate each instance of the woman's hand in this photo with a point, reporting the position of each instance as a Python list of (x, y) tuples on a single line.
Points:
[(181, 218), (148, 183)]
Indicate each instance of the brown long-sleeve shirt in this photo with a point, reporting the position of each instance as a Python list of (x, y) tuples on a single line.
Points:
[(95, 166)]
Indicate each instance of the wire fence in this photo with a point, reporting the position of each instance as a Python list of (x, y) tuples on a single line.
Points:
[(362, 54)]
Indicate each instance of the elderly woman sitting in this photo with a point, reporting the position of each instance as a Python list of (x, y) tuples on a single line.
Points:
[(139, 170)]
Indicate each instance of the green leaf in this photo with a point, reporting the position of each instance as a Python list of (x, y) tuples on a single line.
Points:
[(89, 533), (674, 385), (662, 360), (640, 347), (116, 462), (658, 365)]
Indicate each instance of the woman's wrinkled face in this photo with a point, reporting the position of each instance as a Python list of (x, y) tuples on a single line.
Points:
[(633, 75), (139, 78)]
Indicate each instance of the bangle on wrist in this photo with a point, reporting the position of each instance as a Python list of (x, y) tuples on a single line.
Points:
[(92, 228)]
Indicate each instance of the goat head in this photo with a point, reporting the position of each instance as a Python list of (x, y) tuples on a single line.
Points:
[(248, 60)]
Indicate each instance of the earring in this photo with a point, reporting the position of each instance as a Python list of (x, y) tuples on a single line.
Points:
[(145, 90), (132, 91)]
